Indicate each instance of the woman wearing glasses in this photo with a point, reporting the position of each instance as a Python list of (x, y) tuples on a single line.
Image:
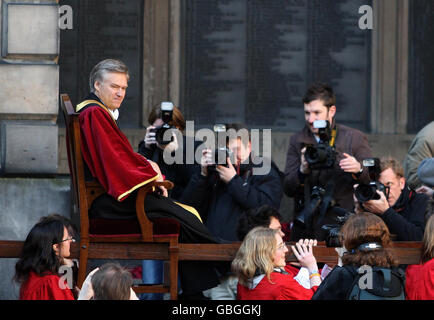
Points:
[(45, 250), (262, 272)]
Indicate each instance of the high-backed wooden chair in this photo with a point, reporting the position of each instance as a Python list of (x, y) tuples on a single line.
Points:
[(115, 233)]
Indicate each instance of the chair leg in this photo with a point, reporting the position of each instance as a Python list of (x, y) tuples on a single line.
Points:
[(174, 252), (84, 252)]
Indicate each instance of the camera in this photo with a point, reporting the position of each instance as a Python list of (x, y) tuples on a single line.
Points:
[(222, 152), (322, 155), (334, 230), (366, 192), (166, 116), (316, 197)]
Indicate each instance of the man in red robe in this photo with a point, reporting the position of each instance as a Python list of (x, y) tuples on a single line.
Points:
[(110, 158)]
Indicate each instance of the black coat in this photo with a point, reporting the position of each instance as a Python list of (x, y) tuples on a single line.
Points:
[(178, 173), (221, 204), (406, 219)]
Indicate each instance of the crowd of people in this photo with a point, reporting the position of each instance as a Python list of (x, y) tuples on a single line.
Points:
[(330, 172)]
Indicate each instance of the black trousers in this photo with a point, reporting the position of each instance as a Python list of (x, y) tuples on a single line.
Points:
[(195, 276)]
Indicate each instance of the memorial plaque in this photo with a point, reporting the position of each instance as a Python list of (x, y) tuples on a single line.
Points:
[(104, 29), (252, 61), (421, 65)]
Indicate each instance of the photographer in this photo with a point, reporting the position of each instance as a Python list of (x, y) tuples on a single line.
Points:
[(153, 146), (321, 185), (222, 192), (401, 208)]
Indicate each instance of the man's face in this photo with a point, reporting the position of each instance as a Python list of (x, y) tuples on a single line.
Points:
[(241, 151), (316, 110), (395, 183), (112, 89)]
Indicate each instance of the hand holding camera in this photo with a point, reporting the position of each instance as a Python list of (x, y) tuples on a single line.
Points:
[(304, 165), (226, 173), (150, 137), (205, 161), (377, 206)]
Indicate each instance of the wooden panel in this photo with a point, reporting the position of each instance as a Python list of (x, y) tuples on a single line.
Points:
[(407, 252)]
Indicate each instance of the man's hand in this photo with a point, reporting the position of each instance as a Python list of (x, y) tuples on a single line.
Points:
[(350, 164), (377, 206), (304, 166), (226, 173), (205, 161), (159, 178)]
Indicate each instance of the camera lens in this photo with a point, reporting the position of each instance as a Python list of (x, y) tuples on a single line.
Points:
[(365, 193)]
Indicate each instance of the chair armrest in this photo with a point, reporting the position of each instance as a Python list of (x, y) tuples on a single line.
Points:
[(144, 222), (166, 183)]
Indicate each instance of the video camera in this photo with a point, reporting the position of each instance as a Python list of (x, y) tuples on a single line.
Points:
[(366, 192), (166, 116), (322, 155)]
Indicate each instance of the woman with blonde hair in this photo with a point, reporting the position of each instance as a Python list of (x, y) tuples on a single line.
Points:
[(260, 266), (420, 278)]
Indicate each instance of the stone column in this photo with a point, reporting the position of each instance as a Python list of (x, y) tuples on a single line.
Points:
[(161, 54), (29, 92), (389, 66)]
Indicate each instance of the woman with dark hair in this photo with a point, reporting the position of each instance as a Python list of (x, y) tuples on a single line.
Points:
[(366, 239), (419, 283), (44, 251), (260, 266)]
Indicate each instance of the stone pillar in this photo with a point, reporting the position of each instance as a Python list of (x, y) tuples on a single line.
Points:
[(389, 67), (161, 54), (29, 92)]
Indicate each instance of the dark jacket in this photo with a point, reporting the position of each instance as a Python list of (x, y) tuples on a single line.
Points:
[(406, 218), (348, 140), (221, 204), (178, 173), (339, 282)]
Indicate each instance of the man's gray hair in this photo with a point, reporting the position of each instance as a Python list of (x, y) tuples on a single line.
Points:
[(109, 65)]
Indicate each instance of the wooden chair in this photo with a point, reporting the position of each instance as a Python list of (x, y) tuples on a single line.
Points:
[(141, 232)]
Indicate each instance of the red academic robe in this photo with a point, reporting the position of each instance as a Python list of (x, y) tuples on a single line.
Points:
[(281, 287), (104, 146), (419, 283), (44, 287)]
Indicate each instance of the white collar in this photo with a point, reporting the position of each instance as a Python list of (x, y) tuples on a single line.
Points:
[(115, 113)]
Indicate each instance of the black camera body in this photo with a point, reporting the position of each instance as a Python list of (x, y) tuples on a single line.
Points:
[(222, 152), (333, 238), (316, 198), (366, 192), (167, 117), (322, 155)]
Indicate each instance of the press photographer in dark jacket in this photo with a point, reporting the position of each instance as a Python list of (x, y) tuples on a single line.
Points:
[(222, 193), (403, 210), (151, 147)]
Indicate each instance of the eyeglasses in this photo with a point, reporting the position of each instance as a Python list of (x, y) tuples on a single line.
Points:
[(282, 246), (68, 239)]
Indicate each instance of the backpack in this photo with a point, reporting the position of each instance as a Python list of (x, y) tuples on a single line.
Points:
[(383, 286)]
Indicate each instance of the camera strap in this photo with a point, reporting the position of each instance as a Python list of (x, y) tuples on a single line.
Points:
[(333, 137)]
